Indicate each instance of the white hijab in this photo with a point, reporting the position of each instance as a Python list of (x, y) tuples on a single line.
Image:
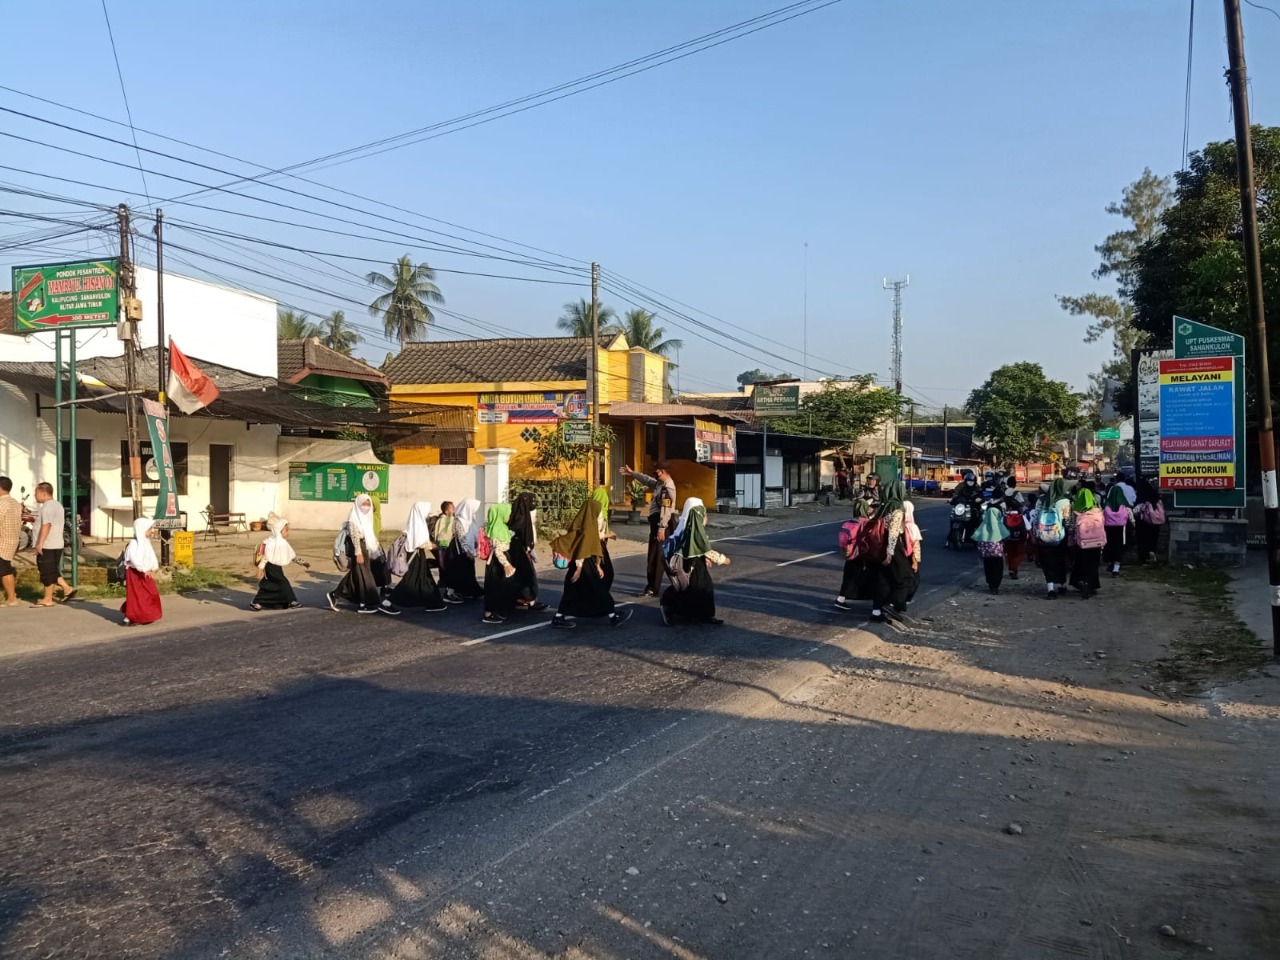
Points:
[(139, 554), (909, 511), (361, 522), (276, 549), (417, 532), (465, 528), (684, 515)]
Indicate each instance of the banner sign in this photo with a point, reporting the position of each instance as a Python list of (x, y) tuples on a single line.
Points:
[(57, 295), (577, 432), (776, 400), (530, 407), (1146, 376), (1202, 444), (338, 481), (161, 464), (715, 442)]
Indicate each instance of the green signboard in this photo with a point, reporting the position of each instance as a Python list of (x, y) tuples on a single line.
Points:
[(338, 481), (1110, 433), (166, 513), (577, 431), (1200, 342), (776, 400), (60, 295)]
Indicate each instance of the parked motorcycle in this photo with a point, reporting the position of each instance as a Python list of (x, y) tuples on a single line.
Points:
[(26, 535)]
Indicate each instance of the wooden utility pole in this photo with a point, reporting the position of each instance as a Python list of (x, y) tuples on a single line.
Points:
[(945, 464), (129, 334), (1253, 294), (593, 370), (162, 344)]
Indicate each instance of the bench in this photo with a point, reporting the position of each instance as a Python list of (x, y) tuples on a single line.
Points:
[(218, 523)]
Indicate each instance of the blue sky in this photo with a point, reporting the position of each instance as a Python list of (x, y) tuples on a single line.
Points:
[(972, 146)]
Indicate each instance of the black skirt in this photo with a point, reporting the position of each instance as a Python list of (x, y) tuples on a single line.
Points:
[(359, 586), (500, 591), (1114, 550), (893, 580), (589, 596), (1084, 572), (697, 601), (858, 582), (274, 590), (1053, 562), (417, 588), (458, 572), (526, 576), (607, 566)]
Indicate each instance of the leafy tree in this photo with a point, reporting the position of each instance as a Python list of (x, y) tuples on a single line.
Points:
[(553, 453), (1018, 407), (758, 376), (405, 306), (1194, 266), (639, 329), (576, 319), (294, 325), (336, 334), (841, 410)]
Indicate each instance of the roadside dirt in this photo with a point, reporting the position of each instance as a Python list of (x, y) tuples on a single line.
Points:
[(1003, 777)]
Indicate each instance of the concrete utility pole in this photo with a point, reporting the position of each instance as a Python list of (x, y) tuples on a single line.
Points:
[(162, 344), (1253, 292), (593, 369), (897, 287), (129, 334)]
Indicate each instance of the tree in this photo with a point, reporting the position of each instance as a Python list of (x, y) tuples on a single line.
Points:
[(638, 327), (336, 334), (294, 325), (576, 319), (841, 410), (758, 376), (405, 305), (1194, 266), (1018, 407)]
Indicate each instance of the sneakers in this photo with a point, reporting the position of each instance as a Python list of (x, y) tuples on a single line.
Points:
[(713, 621), (1051, 595), (842, 604), (492, 618), (536, 607), (619, 617), (561, 622), (255, 607), (439, 609), (363, 609), (389, 608), (450, 597), (877, 616), (646, 592), (295, 604), (333, 602)]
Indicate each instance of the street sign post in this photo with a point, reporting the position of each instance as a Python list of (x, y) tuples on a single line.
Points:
[(577, 432), (1109, 433), (62, 295), (776, 399)]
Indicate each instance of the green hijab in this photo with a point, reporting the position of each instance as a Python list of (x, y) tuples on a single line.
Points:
[(1057, 492), (695, 535), (860, 509), (1116, 498), (892, 497), (1084, 500), (601, 496), (495, 523), (992, 528)]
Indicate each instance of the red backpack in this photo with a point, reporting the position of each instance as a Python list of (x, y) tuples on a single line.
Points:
[(873, 540), (847, 538)]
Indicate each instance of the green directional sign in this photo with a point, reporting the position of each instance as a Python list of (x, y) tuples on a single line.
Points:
[(58, 295), (1110, 433)]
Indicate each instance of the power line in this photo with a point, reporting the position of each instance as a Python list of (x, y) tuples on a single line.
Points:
[(125, 96), (1259, 6), (1186, 104)]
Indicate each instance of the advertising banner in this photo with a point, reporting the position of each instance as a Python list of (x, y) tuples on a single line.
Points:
[(160, 468), (530, 408), (338, 481), (577, 432), (776, 400), (715, 442), (59, 295), (1202, 448), (1146, 372)]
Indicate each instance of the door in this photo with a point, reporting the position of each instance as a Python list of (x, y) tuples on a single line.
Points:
[(84, 481), (220, 459), (748, 491)]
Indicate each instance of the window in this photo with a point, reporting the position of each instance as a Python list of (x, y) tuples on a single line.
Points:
[(150, 486), (453, 456)]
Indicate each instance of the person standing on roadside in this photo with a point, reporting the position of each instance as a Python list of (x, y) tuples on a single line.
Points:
[(50, 518), (662, 513), (10, 532)]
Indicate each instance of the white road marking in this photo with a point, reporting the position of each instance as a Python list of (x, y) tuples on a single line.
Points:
[(813, 556)]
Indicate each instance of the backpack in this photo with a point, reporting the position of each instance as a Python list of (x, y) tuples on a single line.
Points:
[(873, 540), (484, 549), (340, 558), (847, 538), (1016, 524), (1091, 533), (120, 568), (1152, 513), (398, 558), (1049, 528)]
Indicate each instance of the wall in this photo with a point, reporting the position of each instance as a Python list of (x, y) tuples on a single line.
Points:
[(408, 483), (1218, 543), (694, 480)]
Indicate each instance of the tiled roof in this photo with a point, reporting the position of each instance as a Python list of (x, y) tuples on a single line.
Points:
[(6, 311), (491, 361), (296, 359)]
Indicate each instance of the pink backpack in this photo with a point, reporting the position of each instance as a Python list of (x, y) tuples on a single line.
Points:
[(1091, 533), (847, 538)]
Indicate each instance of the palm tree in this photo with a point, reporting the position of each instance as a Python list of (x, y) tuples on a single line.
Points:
[(638, 327), (294, 325), (336, 334), (576, 319), (404, 305)]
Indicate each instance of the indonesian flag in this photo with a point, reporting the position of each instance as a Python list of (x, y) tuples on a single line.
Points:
[(189, 388)]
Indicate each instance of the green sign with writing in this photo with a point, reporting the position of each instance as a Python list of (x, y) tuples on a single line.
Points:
[(776, 400), (160, 467), (338, 481), (577, 431), (57, 295), (1110, 433)]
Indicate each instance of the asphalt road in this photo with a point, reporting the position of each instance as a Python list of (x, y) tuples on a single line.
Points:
[(221, 792)]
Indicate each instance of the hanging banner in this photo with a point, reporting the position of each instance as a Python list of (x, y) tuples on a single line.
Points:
[(715, 442), (59, 295), (1146, 380), (166, 513), (530, 408)]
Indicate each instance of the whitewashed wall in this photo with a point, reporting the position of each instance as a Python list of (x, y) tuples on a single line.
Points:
[(408, 483)]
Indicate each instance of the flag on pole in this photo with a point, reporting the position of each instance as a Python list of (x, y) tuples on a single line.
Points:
[(189, 388)]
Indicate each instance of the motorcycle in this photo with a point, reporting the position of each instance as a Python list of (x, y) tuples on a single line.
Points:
[(26, 535), (958, 530)]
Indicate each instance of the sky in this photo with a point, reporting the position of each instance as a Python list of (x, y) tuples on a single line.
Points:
[(973, 147)]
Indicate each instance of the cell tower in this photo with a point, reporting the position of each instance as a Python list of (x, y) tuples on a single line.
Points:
[(896, 360)]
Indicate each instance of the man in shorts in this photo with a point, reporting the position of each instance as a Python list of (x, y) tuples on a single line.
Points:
[(50, 520), (10, 531)]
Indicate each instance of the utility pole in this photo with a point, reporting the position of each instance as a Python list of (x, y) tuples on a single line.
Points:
[(1253, 291), (945, 463), (162, 344), (806, 311), (129, 334), (897, 287), (911, 447), (593, 369)]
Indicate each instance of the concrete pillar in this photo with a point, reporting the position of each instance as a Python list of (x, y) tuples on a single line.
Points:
[(497, 473)]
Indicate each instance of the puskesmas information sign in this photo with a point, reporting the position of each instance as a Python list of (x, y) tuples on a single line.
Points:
[(59, 295)]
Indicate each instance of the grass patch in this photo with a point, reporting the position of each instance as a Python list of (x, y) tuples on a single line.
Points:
[(182, 581), (1220, 650)]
